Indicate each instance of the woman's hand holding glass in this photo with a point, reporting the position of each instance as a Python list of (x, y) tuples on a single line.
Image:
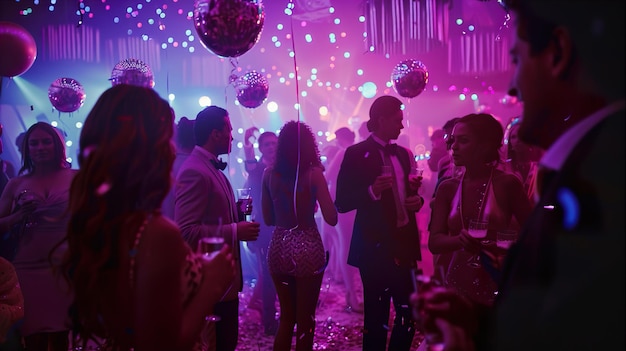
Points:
[(28, 203), (211, 247), (478, 230), (218, 273)]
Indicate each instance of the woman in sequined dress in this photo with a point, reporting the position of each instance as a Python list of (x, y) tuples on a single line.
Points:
[(292, 188), (137, 285), (482, 193)]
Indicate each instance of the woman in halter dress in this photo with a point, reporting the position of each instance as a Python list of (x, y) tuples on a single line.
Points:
[(137, 285), (482, 193)]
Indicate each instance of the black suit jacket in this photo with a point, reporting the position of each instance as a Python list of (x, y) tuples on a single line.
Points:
[(375, 235), (563, 282)]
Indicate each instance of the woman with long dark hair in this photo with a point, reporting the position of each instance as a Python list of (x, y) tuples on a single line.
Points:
[(136, 283), (483, 193)]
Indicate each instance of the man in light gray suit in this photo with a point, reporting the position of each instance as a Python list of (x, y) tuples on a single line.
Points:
[(204, 201)]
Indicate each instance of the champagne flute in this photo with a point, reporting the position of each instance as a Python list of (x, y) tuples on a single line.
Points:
[(244, 201), (209, 246), (477, 229), (25, 197)]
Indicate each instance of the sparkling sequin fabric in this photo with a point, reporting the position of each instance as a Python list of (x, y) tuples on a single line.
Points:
[(296, 252)]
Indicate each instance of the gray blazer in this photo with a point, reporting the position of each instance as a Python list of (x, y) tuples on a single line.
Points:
[(203, 195)]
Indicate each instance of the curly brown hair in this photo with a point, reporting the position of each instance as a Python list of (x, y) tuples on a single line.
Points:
[(296, 148), (125, 156)]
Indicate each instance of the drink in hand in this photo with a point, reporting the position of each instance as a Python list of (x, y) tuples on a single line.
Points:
[(506, 238), (244, 202), (210, 246), (245, 206), (477, 229)]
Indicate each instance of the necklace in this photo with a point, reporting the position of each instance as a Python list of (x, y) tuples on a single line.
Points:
[(483, 191), (133, 251)]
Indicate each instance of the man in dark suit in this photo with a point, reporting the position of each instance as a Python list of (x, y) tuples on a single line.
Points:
[(204, 203), (562, 283), (385, 243)]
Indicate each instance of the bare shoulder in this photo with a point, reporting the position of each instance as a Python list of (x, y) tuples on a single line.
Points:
[(448, 188), (502, 178), (70, 172), (163, 235), (14, 183)]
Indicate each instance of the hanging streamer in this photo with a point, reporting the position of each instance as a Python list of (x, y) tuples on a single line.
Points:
[(232, 78), (295, 69)]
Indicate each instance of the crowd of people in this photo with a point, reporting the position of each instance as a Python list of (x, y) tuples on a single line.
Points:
[(83, 249)]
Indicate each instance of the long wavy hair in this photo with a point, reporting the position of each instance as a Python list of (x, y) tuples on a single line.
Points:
[(296, 147), (125, 157), (28, 167)]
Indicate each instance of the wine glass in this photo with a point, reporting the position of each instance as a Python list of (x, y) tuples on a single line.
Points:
[(26, 197), (209, 246), (477, 229), (417, 172), (244, 201)]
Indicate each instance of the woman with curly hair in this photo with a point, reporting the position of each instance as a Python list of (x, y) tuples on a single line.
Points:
[(292, 188), (34, 205), (137, 284)]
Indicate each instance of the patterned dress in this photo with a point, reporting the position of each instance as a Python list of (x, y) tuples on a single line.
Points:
[(296, 252)]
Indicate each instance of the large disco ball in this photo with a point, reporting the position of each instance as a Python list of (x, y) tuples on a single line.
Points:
[(229, 28), (252, 89), (66, 94), (133, 72), (409, 78)]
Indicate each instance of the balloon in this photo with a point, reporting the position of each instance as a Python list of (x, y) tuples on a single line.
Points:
[(66, 94), (132, 72), (252, 89), (409, 78), (18, 49), (229, 28)]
